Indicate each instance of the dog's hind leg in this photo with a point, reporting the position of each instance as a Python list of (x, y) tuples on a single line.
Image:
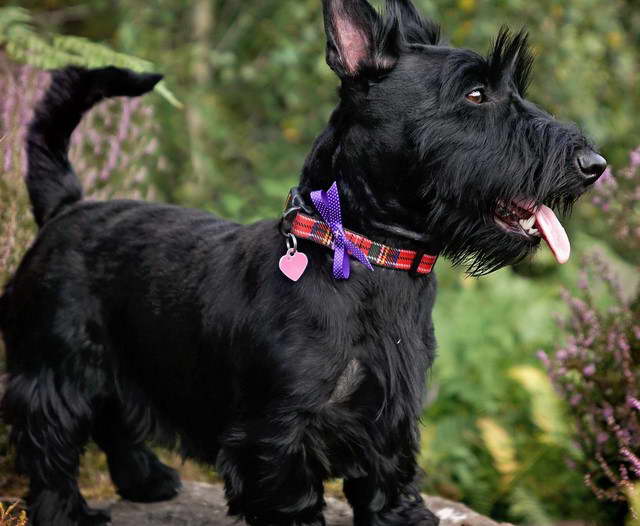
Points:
[(50, 419), (59, 365), (135, 470)]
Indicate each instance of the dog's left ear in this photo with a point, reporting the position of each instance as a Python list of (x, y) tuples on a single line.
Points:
[(359, 42)]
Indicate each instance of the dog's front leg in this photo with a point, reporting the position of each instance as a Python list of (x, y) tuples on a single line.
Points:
[(373, 505), (272, 473), (388, 495)]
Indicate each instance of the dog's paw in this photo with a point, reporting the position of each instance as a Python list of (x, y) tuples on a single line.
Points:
[(412, 514), (423, 517), (91, 517), (163, 483), (315, 519), (47, 507)]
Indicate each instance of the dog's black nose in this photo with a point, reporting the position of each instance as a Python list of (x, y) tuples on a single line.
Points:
[(592, 165)]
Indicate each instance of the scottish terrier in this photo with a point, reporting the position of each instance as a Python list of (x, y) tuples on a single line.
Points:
[(287, 351)]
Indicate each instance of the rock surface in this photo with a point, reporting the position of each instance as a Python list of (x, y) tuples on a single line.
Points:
[(201, 504)]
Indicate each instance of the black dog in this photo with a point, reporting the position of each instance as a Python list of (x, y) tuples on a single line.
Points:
[(127, 319)]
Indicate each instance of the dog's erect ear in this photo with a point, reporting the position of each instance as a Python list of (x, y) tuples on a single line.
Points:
[(415, 28), (358, 41), (511, 58)]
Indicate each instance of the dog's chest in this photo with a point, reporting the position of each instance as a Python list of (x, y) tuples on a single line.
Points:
[(372, 389), (367, 345)]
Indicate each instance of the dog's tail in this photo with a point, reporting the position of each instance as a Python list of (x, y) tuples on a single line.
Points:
[(51, 181)]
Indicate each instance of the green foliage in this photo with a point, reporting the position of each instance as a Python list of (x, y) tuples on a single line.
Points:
[(485, 328), (256, 93)]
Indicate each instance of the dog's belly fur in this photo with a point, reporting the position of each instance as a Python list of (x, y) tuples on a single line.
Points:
[(178, 313)]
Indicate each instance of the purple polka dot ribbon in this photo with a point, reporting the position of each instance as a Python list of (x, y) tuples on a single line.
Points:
[(328, 206)]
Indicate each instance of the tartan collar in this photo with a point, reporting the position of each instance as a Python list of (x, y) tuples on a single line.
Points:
[(297, 220)]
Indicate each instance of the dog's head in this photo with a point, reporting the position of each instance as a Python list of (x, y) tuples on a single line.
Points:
[(442, 142)]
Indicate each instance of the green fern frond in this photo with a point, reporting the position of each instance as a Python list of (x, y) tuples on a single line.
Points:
[(97, 55), (33, 50), (22, 44), (12, 18)]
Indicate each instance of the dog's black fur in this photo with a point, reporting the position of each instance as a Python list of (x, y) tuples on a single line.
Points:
[(126, 319)]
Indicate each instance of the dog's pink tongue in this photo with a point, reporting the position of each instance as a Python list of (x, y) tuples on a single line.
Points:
[(554, 233)]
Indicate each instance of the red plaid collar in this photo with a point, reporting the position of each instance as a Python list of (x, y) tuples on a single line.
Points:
[(304, 226)]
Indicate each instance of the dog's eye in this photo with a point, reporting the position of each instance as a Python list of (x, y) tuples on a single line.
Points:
[(477, 96)]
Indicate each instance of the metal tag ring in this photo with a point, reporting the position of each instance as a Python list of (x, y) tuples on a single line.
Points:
[(292, 243), (286, 221)]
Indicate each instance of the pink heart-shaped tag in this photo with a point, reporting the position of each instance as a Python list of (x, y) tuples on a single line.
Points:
[(293, 264)]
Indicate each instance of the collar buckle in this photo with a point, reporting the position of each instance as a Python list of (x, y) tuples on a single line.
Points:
[(295, 203), (286, 220)]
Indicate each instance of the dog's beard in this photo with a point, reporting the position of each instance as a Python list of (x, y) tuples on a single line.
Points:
[(482, 246), (484, 241), (491, 222)]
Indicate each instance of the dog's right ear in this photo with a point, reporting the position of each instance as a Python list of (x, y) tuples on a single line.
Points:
[(354, 43)]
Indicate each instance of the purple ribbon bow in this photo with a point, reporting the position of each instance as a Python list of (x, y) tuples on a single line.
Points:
[(328, 205)]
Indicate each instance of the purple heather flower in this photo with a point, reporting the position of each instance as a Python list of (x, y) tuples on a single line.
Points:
[(606, 178), (633, 459), (583, 283), (575, 399), (543, 357)]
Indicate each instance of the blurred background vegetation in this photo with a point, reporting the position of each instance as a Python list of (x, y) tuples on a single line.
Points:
[(246, 92)]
